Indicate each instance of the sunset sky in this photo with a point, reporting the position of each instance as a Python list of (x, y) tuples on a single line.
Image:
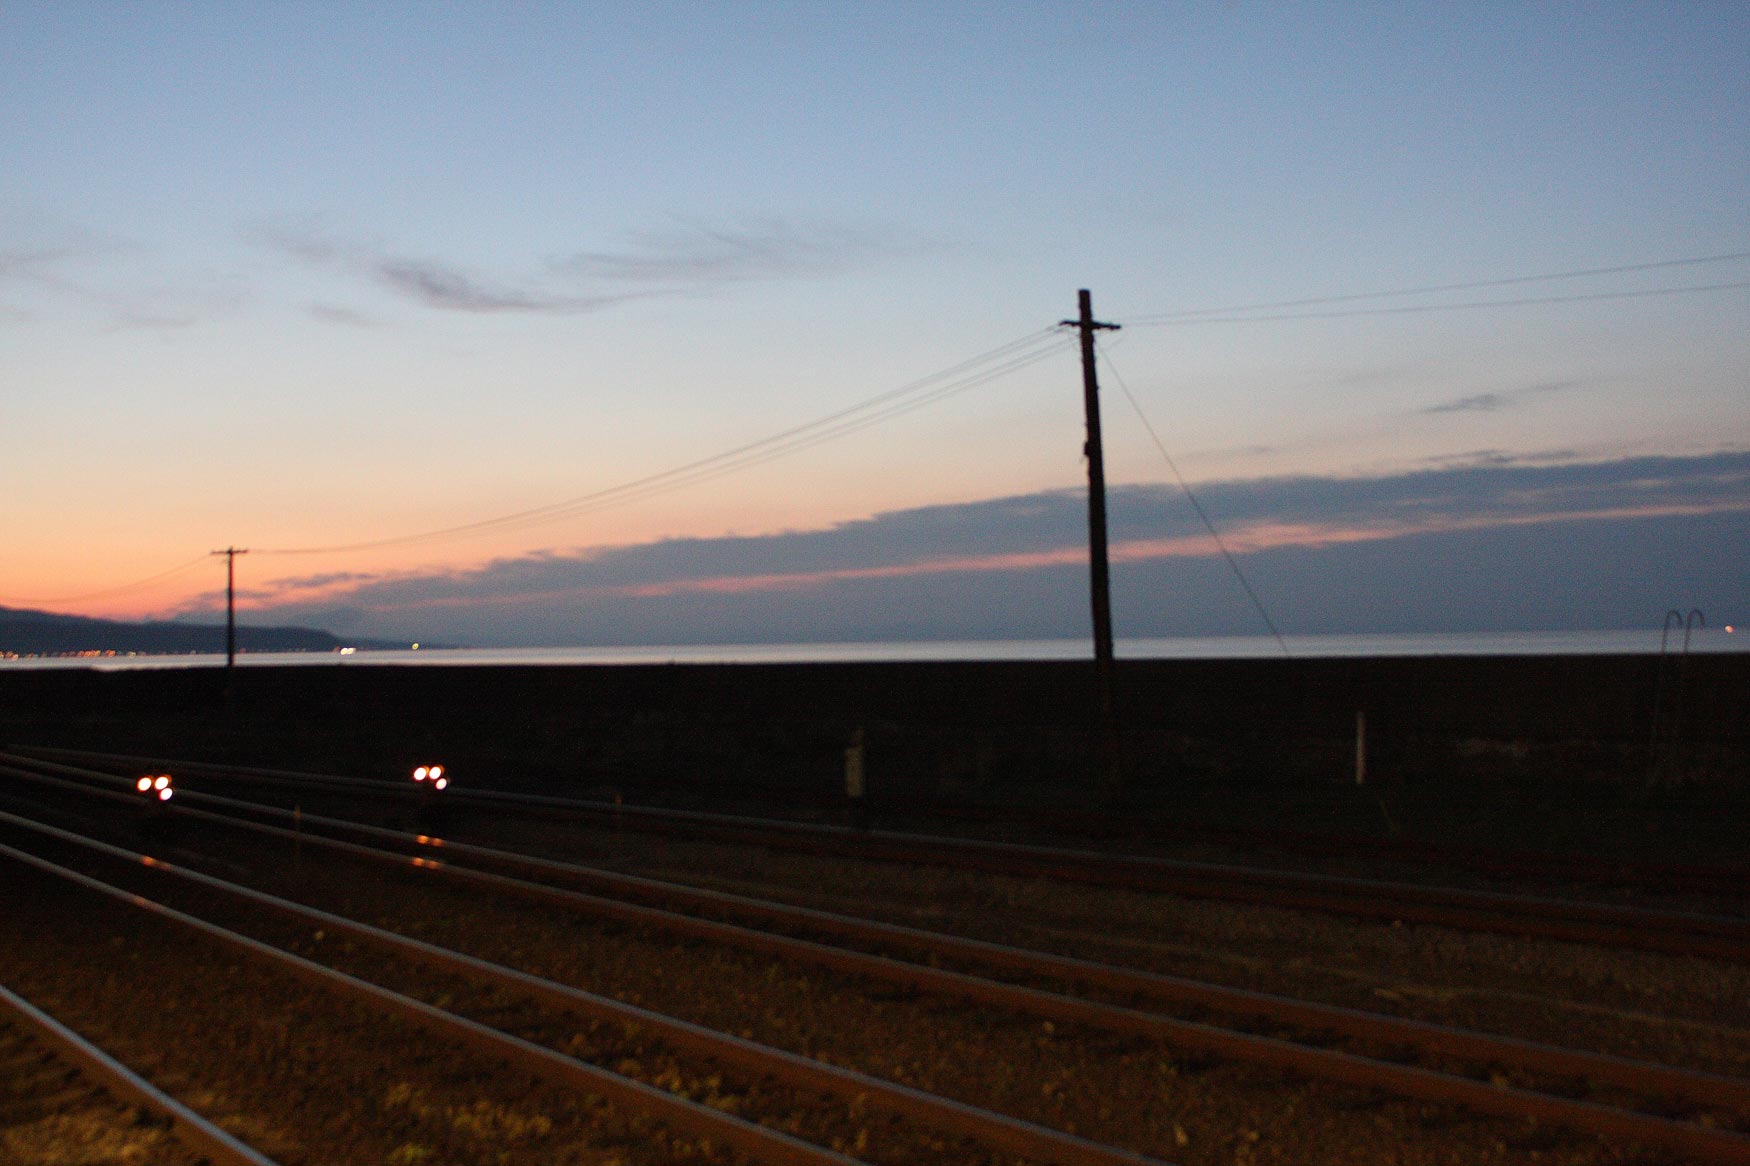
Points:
[(450, 287)]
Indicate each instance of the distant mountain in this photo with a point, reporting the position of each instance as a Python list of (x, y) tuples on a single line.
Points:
[(42, 633)]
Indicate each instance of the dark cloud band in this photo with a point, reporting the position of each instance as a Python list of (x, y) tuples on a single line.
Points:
[(1006, 549)]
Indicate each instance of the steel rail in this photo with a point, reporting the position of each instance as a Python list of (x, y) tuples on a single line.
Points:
[(201, 1136), (1643, 1077), (996, 1130), (1350, 1068), (1676, 932), (757, 1141), (1684, 933), (1728, 878), (1488, 1048)]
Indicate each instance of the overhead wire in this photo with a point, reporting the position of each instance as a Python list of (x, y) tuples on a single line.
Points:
[(965, 375), (962, 377), (1191, 495), (120, 589), (1294, 309), (718, 467), (1186, 314), (806, 441), (979, 370), (1412, 309)]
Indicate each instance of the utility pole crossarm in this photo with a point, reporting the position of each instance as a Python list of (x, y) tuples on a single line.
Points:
[(1087, 320)]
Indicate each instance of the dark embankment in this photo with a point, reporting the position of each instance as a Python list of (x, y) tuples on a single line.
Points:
[(44, 633), (1575, 752)]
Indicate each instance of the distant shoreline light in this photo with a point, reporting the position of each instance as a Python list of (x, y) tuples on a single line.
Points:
[(1352, 646)]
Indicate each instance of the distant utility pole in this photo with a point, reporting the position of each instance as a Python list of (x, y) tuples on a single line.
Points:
[(1099, 569), (231, 554)]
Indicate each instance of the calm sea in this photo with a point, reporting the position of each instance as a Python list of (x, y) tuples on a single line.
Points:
[(1187, 648)]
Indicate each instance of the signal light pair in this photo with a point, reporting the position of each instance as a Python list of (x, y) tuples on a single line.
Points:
[(432, 773), (155, 787)]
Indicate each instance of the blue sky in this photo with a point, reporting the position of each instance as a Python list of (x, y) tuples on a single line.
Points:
[(318, 275)]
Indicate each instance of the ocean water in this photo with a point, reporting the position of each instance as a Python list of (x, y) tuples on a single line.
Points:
[(1711, 640)]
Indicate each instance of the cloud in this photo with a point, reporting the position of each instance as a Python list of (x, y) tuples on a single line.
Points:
[(335, 314), (1480, 403), (962, 565), (652, 263), (763, 249), (432, 283), (43, 261), (325, 579), (1496, 402), (92, 270), (127, 320), (1501, 458), (30, 262), (444, 287), (43, 269), (1488, 492)]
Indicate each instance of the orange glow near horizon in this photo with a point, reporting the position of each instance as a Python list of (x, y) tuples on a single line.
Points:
[(99, 568), (1242, 540), (333, 577)]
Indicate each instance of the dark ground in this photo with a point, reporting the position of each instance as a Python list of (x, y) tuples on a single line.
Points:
[(1612, 755)]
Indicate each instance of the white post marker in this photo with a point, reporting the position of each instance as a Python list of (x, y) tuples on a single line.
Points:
[(1360, 746), (854, 766)]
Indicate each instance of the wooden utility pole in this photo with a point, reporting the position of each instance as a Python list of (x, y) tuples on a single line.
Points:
[(1099, 572), (231, 554)]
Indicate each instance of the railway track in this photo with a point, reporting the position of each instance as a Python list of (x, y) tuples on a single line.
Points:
[(1718, 1102), (708, 1123), (1722, 881), (1715, 936), (55, 1077)]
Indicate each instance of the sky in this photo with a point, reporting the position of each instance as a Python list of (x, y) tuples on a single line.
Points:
[(546, 323)]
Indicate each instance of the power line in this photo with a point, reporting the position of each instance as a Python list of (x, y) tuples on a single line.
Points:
[(1407, 309), (117, 590), (674, 480), (967, 374), (1432, 289), (939, 386), (1220, 543), (809, 441)]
